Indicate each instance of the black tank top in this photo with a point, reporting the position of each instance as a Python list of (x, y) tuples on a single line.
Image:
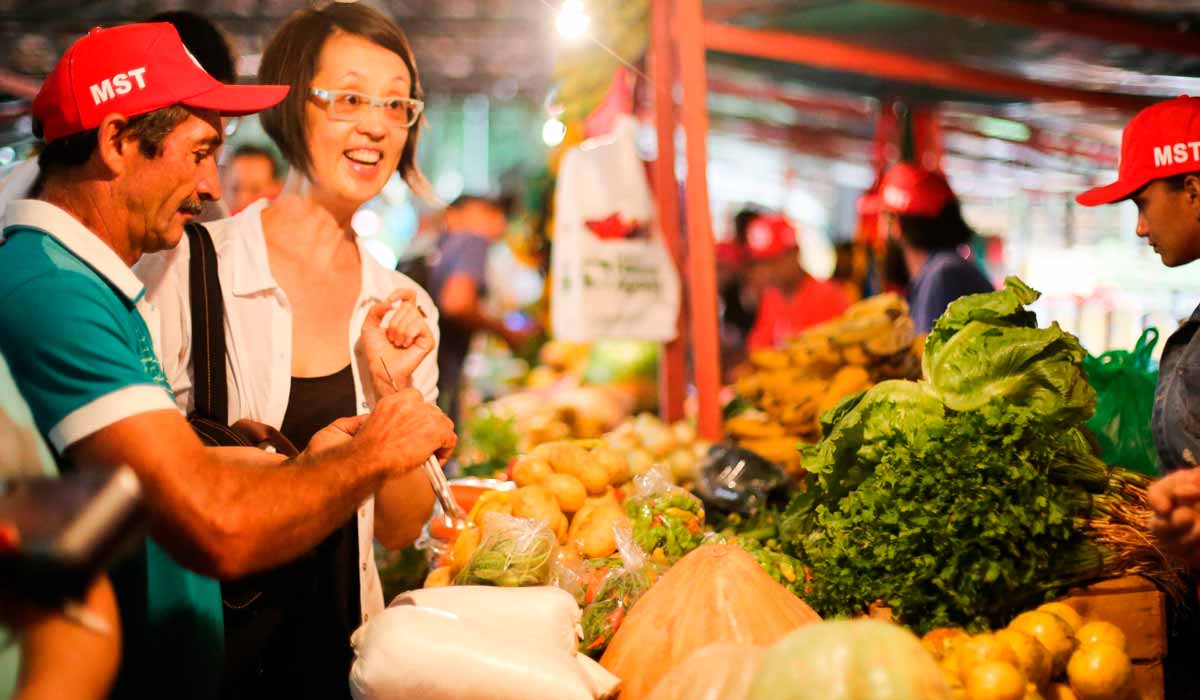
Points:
[(294, 640)]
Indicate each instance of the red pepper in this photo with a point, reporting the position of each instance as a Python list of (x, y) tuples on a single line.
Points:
[(597, 644), (693, 526), (615, 617), (593, 587)]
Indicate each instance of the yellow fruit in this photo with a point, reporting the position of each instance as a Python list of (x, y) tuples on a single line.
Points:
[(950, 669), (1068, 614), (943, 641), (1060, 691), (1100, 672), (1032, 692), (994, 680), (1096, 632), (1052, 632), (1032, 656), (981, 649)]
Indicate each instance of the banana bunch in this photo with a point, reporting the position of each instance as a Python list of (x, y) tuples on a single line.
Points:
[(584, 72), (790, 388)]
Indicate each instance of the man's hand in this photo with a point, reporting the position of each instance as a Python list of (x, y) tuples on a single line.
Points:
[(396, 348), (1176, 522), (404, 430)]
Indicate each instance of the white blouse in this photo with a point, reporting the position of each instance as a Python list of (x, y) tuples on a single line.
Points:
[(258, 341)]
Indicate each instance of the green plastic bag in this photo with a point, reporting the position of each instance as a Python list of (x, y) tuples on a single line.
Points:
[(1124, 382)]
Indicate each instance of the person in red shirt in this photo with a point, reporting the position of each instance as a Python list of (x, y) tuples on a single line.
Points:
[(789, 299)]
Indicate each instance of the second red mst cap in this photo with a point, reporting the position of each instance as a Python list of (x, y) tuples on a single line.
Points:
[(1161, 141), (134, 69), (909, 190)]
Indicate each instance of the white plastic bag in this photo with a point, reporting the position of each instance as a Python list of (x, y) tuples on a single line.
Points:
[(410, 651), (613, 276), (543, 614)]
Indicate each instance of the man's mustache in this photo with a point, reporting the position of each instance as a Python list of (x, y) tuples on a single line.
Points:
[(192, 206)]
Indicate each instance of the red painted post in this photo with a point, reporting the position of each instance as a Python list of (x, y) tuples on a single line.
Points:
[(702, 283), (672, 376)]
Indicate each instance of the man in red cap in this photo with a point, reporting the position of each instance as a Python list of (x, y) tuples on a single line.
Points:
[(131, 125), (921, 214), (789, 299), (1160, 171)]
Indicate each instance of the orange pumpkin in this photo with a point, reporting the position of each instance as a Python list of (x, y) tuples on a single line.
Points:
[(717, 593)]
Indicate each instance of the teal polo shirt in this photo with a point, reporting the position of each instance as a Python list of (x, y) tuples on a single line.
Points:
[(83, 359)]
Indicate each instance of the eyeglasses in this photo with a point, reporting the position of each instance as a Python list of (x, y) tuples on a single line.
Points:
[(347, 106)]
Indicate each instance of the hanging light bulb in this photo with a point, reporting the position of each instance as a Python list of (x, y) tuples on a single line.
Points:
[(553, 132), (572, 21)]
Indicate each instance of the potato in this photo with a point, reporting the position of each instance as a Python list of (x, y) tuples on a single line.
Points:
[(439, 577), (464, 548), (538, 503), (530, 470), (614, 463), (640, 462), (595, 537), (594, 478), (568, 491), (588, 511), (491, 502), (563, 456), (561, 528)]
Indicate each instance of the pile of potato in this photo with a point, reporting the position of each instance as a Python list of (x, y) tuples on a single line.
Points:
[(570, 486), (1046, 654)]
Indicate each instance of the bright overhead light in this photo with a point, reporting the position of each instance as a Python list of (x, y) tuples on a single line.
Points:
[(572, 21), (553, 132)]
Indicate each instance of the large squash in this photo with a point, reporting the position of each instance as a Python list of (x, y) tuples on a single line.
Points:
[(721, 671), (717, 593), (849, 660)]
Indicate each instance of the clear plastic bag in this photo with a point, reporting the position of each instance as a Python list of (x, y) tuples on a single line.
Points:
[(512, 552), (613, 591), (668, 521)]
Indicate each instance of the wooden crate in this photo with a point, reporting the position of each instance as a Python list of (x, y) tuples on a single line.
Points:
[(1140, 610)]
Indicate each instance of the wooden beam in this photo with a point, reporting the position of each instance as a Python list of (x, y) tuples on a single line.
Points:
[(833, 54), (1055, 17), (672, 376), (702, 282)]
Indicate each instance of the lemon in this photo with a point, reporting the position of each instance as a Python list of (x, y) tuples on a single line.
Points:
[(1097, 631), (1052, 632), (1032, 656), (1060, 691), (995, 680), (1068, 614), (1100, 671), (981, 649)]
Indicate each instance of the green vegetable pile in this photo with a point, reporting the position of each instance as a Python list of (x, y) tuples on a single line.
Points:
[(967, 497), (668, 524), (488, 443)]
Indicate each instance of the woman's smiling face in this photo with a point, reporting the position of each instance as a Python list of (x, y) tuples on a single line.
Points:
[(352, 161)]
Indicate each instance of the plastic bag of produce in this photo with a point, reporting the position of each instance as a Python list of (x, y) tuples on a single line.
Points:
[(410, 651), (1124, 382), (512, 552), (614, 590), (544, 614), (668, 522)]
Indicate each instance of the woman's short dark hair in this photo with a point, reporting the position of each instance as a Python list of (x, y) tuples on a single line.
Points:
[(291, 59), (150, 130), (946, 230)]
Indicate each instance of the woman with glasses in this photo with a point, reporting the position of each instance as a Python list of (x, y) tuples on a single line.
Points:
[(315, 330)]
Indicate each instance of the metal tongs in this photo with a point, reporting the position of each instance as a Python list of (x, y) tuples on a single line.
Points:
[(437, 477)]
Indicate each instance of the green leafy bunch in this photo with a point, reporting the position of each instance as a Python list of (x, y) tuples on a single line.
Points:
[(672, 521)]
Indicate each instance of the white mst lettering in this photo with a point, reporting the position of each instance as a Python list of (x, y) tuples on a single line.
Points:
[(1173, 153), (119, 84)]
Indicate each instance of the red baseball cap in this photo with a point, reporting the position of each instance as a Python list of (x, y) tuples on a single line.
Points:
[(909, 190), (134, 69), (1161, 141), (769, 235)]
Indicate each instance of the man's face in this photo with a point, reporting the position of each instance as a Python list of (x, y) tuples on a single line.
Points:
[(168, 191), (1170, 220), (251, 177)]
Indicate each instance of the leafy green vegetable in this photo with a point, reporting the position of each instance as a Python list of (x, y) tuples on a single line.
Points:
[(1004, 308), (759, 536), (514, 552), (488, 443), (604, 614)]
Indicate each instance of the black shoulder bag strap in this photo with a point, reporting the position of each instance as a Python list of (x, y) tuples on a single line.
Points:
[(210, 412)]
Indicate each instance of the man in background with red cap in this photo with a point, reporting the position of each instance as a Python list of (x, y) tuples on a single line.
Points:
[(789, 299), (131, 128), (1160, 172), (921, 214)]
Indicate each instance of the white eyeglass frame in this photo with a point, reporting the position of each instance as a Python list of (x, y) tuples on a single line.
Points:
[(328, 97)]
